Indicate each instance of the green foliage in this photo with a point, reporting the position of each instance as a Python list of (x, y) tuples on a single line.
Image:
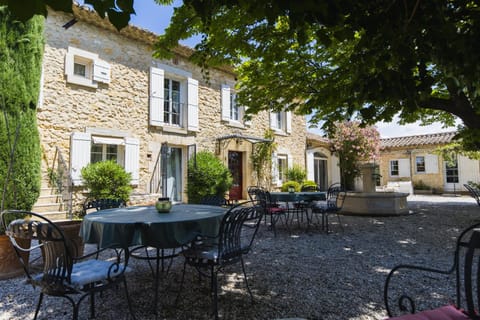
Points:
[(354, 145), (209, 177), (309, 183), (261, 159), (287, 184), (351, 60), (475, 185), (296, 173), (420, 185), (450, 152), (107, 180), (21, 52)]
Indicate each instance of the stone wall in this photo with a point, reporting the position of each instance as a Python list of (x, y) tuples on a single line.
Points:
[(122, 106)]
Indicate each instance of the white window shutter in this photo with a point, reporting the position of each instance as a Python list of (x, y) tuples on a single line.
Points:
[(310, 165), (404, 167), (132, 152), (273, 120), (101, 71), (156, 96), (80, 144), (288, 120), (289, 161), (192, 102), (69, 60), (246, 122), (225, 102), (275, 177), (431, 163), (335, 170)]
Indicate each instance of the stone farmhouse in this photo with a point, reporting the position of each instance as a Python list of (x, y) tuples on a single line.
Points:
[(413, 159), (103, 97)]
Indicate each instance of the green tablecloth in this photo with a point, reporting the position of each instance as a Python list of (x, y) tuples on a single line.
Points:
[(298, 196), (130, 226)]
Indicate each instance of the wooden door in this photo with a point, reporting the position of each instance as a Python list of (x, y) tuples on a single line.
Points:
[(235, 165)]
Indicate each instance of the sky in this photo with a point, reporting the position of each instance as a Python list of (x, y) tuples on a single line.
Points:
[(156, 18)]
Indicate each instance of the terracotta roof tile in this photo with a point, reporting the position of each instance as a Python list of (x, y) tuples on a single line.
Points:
[(418, 140)]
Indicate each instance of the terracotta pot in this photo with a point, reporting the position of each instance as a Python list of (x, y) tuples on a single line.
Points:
[(71, 230), (10, 265)]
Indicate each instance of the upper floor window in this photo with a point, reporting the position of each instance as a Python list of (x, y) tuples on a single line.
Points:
[(281, 121), (231, 111), (234, 110), (420, 164), (85, 68), (172, 105), (173, 99)]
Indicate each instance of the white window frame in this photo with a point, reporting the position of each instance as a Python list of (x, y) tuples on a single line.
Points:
[(391, 167), (96, 70), (281, 121), (229, 105), (81, 147), (417, 158), (282, 169), (188, 97)]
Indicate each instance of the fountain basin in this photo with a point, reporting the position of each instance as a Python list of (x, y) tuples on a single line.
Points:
[(376, 203)]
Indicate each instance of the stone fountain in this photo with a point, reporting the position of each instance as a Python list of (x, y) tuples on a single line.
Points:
[(370, 202)]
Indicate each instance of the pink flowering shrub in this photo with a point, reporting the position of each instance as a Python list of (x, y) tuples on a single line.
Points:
[(354, 145)]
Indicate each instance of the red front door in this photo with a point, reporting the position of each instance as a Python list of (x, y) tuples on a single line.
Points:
[(235, 166)]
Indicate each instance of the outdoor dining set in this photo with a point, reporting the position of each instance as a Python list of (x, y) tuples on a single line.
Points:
[(208, 237)]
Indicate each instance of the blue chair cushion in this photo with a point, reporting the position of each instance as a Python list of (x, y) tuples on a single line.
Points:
[(90, 271)]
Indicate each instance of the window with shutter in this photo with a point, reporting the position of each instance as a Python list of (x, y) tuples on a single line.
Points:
[(281, 121), (85, 68), (87, 148), (173, 98)]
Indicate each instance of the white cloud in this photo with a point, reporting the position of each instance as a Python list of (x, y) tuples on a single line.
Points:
[(393, 129)]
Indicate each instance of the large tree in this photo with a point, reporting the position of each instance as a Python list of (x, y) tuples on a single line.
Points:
[(339, 59)]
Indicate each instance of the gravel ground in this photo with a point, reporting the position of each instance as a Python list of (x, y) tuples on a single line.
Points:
[(300, 274)]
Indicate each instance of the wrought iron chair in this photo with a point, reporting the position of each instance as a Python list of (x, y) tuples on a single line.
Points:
[(465, 269), (215, 200), (63, 275), (101, 204), (333, 205), (234, 240), (474, 192)]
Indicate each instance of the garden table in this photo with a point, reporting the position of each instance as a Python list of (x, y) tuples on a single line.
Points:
[(143, 225), (297, 203)]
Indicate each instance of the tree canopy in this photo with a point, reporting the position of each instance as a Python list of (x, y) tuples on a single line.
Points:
[(338, 60)]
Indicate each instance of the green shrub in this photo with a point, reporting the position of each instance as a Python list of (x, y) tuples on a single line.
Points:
[(107, 180), (296, 173), (420, 185), (209, 177), (309, 183), (287, 184)]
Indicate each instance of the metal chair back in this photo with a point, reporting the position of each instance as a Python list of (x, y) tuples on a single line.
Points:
[(474, 192)]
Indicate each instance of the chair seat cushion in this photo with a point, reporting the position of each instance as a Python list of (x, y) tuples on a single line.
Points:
[(90, 271), (443, 313)]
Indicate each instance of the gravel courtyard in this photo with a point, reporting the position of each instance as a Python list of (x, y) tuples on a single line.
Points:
[(301, 274)]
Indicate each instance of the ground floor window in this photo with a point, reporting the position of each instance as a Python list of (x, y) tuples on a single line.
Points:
[(282, 166), (173, 174), (103, 152), (320, 170), (451, 171)]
